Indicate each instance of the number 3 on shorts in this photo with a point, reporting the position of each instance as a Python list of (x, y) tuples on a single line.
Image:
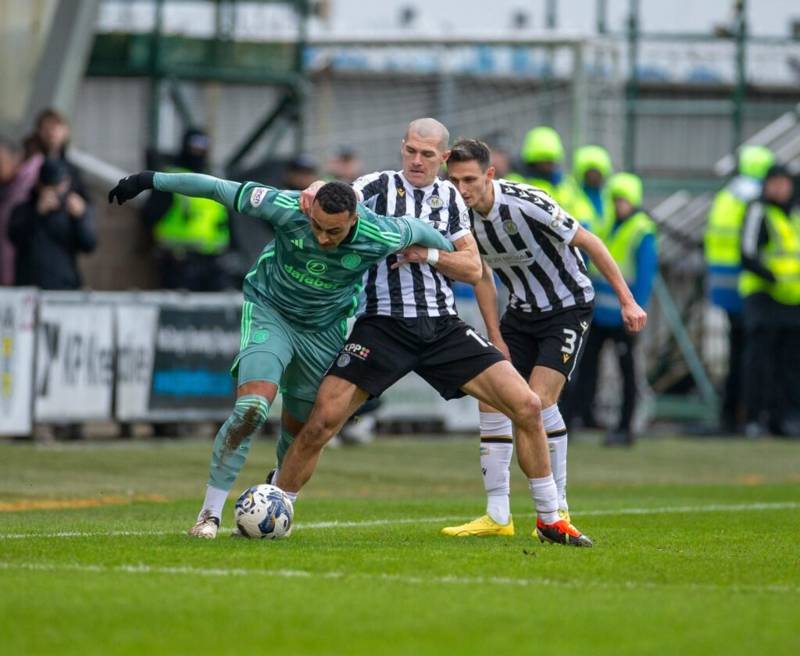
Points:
[(569, 341)]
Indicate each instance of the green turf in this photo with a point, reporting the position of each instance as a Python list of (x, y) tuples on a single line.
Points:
[(708, 579)]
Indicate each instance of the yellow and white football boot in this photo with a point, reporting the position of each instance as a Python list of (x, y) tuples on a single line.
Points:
[(482, 527)]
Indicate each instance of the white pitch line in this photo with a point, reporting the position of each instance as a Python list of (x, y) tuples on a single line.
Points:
[(473, 581), (779, 505), (711, 507), (298, 527)]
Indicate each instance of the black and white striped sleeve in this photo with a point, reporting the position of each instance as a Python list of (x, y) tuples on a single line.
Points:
[(550, 219), (458, 223), (754, 236), (371, 184)]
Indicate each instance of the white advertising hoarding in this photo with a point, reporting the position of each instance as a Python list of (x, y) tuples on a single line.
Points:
[(136, 331), (17, 326), (75, 361)]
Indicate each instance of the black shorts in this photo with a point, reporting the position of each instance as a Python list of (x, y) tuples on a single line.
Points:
[(552, 340), (444, 351)]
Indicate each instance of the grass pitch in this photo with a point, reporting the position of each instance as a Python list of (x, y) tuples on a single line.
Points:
[(697, 552)]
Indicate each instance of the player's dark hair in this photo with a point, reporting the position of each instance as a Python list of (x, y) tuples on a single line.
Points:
[(335, 197), (468, 150)]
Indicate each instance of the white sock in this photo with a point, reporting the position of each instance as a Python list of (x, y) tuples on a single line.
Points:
[(545, 498), (292, 496), (214, 501), (497, 446), (556, 431)]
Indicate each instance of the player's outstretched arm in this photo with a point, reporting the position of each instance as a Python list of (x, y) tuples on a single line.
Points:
[(422, 234), (633, 317), (188, 184)]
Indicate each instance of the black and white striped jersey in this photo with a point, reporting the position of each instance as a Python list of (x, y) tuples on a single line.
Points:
[(413, 290), (525, 239)]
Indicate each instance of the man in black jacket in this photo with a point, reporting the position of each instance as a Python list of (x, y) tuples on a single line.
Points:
[(50, 229)]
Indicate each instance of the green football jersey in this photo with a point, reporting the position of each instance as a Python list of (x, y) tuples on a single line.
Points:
[(310, 286)]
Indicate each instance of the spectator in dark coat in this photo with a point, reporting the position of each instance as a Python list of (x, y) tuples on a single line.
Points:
[(17, 177), (50, 229)]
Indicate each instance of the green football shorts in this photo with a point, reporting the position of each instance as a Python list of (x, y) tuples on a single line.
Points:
[(272, 350)]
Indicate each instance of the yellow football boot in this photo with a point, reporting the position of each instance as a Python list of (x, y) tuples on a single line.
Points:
[(564, 514), (482, 527)]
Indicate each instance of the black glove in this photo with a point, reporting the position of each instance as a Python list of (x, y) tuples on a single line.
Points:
[(131, 187)]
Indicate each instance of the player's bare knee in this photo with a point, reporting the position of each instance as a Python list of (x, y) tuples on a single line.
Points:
[(527, 410), (330, 423), (317, 432)]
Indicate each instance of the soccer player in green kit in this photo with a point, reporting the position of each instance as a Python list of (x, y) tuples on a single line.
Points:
[(296, 299)]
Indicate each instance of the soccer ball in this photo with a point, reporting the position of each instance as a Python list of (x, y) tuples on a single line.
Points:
[(264, 511)]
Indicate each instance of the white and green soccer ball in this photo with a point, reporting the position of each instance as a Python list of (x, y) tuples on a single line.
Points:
[(264, 511)]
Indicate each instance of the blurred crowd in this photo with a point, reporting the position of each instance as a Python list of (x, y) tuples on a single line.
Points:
[(752, 248), (46, 216)]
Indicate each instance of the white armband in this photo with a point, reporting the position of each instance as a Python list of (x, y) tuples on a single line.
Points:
[(433, 256)]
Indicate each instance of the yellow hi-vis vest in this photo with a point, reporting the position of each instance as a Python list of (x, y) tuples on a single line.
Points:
[(584, 211), (563, 193), (197, 225), (622, 243), (723, 232), (781, 256)]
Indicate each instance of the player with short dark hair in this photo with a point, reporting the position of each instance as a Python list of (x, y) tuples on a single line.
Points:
[(296, 300), (409, 323), (532, 245), (335, 197)]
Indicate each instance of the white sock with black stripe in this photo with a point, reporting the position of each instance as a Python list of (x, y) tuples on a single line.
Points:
[(497, 447), (545, 498), (556, 431)]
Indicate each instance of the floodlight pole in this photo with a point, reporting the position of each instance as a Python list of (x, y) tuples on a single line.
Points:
[(154, 109), (548, 107), (632, 86), (579, 92), (303, 10), (601, 15), (740, 87)]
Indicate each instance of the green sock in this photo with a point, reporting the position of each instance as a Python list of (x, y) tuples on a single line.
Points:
[(232, 443)]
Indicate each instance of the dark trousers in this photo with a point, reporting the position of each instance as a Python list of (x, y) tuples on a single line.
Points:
[(586, 382), (730, 415), (771, 361), (763, 384)]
